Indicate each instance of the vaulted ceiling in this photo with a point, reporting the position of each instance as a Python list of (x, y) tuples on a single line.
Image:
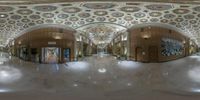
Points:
[(56, 1), (181, 16)]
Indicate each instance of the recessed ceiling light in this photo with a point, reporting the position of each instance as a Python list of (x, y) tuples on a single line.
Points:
[(2, 16)]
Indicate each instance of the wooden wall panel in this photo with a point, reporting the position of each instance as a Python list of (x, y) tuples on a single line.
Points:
[(155, 34), (40, 38)]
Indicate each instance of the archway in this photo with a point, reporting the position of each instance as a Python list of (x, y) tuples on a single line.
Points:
[(46, 44), (153, 43), (101, 35)]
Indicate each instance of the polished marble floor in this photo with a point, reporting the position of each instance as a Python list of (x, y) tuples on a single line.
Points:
[(100, 78)]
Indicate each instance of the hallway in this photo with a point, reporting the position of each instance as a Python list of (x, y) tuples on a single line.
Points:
[(101, 78)]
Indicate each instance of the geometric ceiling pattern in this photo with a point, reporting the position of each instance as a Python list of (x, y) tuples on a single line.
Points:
[(14, 19)]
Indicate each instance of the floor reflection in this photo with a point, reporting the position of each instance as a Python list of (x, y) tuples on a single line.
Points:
[(105, 75), (194, 74), (9, 74)]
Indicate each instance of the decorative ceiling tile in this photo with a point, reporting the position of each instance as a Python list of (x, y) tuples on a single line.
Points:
[(39, 22), (73, 19), (143, 20), (16, 17), (139, 15), (3, 15), (117, 14), (128, 18), (90, 20), (99, 5), (6, 8), (193, 21), (31, 24), (11, 22), (159, 7), (25, 11), (45, 8), (25, 20), (179, 19), (63, 16), (154, 19), (48, 15), (155, 14), (71, 9), (68, 23), (34, 17), (2, 21), (112, 19), (130, 9), (181, 11), (49, 21), (100, 13), (101, 19), (197, 8), (81, 22), (189, 16), (169, 16), (84, 15)]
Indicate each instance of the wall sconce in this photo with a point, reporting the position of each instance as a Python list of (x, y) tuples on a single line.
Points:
[(146, 36), (79, 39), (184, 42), (19, 42), (143, 53), (57, 37)]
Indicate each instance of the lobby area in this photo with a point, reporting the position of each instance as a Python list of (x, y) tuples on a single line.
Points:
[(101, 78), (99, 50)]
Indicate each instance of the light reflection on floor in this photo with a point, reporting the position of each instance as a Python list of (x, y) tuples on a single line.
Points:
[(105, 76), (194, 74), (9, 74)]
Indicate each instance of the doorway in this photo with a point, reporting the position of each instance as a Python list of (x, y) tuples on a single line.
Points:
[(138, 54), (153, 54)]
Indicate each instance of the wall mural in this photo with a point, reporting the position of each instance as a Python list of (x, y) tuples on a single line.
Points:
[(171, 47)]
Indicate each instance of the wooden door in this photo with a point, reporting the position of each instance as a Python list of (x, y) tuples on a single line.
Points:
[(138, 54), (153, 53)]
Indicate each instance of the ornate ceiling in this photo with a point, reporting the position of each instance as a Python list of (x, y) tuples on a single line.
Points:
[(15, 19), (56, 1)]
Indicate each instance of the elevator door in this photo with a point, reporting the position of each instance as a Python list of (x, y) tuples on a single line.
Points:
[(153, 53)]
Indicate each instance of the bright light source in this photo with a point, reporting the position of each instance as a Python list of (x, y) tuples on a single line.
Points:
[(128, 64), (4, 90), (195, 90), (75, 85), (2, 16), (57, 37), (78, 66), (194, 74), (102, 70), (1, 62), (9, 74), (129, 84)]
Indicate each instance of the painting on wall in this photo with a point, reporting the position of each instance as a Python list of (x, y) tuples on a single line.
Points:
[(171, 47)]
